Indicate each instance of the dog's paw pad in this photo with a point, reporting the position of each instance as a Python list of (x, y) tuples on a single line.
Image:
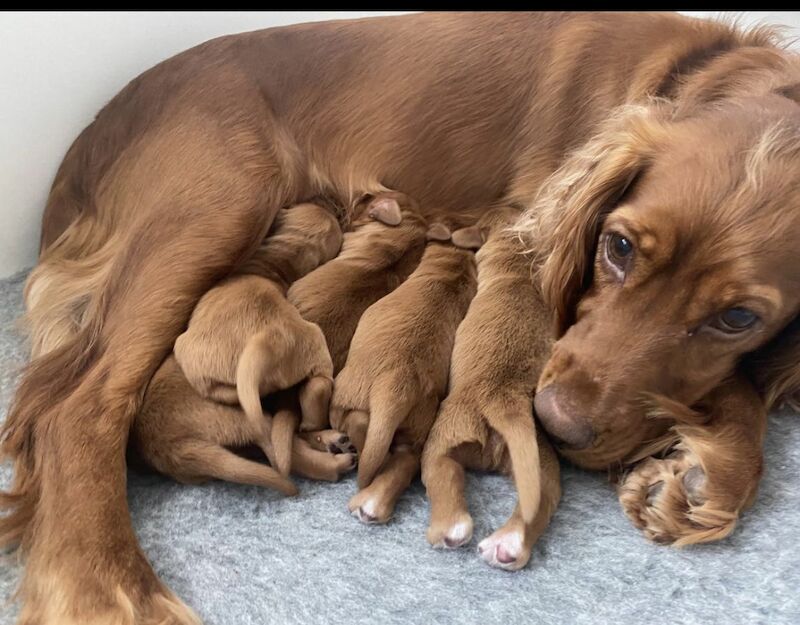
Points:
[(331, 441), (504, 550), (666, 498), (341, 445), (694, 481), (451, 535)]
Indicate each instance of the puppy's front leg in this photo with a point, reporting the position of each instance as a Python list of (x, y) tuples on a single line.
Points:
[(697, 492), (510, 546)]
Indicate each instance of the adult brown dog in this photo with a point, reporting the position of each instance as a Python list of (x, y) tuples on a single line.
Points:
[(667, 230)]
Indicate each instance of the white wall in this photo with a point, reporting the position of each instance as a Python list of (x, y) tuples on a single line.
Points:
[(58, 69)]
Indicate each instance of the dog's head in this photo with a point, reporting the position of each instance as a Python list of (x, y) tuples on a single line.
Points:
[(670, 255)]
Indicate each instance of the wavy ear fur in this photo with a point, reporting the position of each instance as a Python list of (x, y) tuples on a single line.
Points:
[(561, 227)]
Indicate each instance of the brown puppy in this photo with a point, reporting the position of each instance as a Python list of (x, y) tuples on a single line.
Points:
[(396, 374), (374, 260), (245, 340), (486, 421), (385, 245), (187, 437)]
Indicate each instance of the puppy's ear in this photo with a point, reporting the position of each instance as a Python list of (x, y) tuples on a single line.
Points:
[(438, 232), (470, 238), (561, 227), (386, 210)]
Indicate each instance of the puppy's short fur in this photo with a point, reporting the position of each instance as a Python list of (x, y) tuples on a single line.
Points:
[(381, 251), (384, 246), (188, 437), (396, 374), (245, 340), (486, 421)]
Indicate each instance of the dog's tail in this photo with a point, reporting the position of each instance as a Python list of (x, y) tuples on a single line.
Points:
[(388, 409), (254, 362), (284, 424), (514, 422)]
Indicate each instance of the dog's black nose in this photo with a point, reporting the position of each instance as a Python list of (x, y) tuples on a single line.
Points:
[(561, 420)]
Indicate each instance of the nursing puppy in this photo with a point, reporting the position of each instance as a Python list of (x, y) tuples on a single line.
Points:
[(244, 340), (188, 438), (396, 373), (486, 421), (384, 246)]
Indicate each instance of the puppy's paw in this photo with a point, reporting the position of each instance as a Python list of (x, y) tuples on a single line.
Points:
[(451, 533), (370, 508), (332, 441), (505, 549), (668, 499)]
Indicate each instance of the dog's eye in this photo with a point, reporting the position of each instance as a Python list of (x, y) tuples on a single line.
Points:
[(618, 249), (735, 320)]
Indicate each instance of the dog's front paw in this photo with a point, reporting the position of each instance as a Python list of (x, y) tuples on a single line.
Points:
[(670, 500)]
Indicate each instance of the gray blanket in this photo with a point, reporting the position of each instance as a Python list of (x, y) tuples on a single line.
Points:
[(240, 555)]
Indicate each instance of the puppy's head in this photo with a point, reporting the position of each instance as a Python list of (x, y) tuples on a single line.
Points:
[(670, 249)]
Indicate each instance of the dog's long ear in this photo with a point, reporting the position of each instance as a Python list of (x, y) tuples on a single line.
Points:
[(561, 227), (775, 368)]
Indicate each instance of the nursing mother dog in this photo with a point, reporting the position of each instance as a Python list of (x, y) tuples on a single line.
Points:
[(657, 158)]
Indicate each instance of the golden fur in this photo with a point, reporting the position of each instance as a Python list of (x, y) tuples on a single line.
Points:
[(486, 421), (385, 398), (177, 180)]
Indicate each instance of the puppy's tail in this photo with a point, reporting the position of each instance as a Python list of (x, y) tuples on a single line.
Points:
[(388, 409), (284, 424), (515, 424), (253, 365)]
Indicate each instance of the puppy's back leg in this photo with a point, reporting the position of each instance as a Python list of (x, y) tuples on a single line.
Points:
[(376, 502), (510, 546), (201, 460), (320, 465), (457, 432)]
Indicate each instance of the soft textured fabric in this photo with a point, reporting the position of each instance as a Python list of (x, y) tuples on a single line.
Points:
[(241, 555)]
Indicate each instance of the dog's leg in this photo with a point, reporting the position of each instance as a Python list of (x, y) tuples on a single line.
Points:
[(320, 465), (376, 502), (697, 492), (510, 546), (69, 425), (315, 399), (200, 460), (354, 425), (457, 433), (331, 441)]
